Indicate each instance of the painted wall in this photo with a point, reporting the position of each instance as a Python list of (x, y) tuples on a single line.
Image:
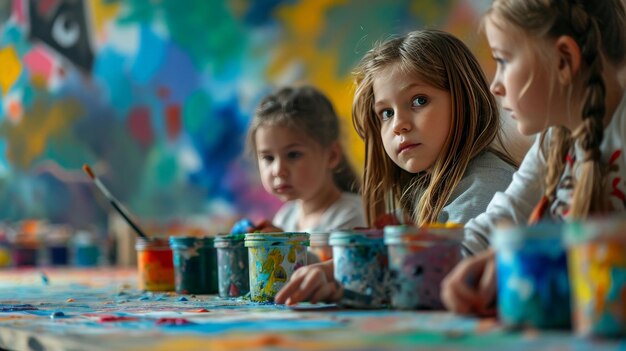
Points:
[(158, 95)]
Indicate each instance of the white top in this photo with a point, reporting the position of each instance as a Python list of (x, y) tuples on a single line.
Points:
[(346, 212), (520, 198)]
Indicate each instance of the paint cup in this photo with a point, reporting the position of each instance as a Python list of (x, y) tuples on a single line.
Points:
[(597, 268), (361, 267), (232, 265), (26, 243), (156, 264), (57, 240), (195, 265), (320, 247), (533, 285), (86, 249), (25, 250), (419, 259), (273, 257)]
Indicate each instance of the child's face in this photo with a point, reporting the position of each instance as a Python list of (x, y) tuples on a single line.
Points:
[(523, 81), (292, 165), (414, 118)]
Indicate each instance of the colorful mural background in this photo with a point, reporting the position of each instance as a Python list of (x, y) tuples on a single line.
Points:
[(159, 98)]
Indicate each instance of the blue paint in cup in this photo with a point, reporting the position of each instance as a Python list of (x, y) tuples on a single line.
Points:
[(533, 283), (361, 267)]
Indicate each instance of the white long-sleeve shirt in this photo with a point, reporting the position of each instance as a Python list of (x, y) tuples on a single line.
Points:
[(517, 202), (347, 212)]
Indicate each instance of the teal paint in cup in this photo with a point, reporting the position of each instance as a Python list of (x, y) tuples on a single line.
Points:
[(86, 249), (195, 264)]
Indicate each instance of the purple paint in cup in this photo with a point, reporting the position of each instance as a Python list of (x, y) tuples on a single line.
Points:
[(419, 259)]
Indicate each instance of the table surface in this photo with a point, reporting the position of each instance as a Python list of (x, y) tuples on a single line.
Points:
[(103, 310)]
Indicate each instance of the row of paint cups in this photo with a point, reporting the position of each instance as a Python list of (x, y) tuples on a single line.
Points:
[(57, 247), (402, 265), (554, 275), (230, 265)]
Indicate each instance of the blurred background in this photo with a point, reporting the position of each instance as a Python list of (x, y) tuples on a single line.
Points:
[(156, 96)]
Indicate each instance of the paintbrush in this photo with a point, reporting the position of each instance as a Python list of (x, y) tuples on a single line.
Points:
[(116, 204)]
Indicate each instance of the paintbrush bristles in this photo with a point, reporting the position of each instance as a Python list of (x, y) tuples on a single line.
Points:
[(89, 172)]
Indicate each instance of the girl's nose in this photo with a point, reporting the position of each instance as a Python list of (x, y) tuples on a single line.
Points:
[(279, 168), (401, 122), (497, 88)]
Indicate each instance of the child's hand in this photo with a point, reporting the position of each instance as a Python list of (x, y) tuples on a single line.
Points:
[(266, 226), (314, 283), (471, 286)]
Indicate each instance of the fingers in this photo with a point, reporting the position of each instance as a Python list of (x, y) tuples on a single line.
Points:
[(457, 296), (292, 286), (306, 283), (322, 293), (487, 288), (461, 292), (313, 282)]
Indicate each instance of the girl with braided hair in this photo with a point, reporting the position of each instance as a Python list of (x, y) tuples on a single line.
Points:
[(558, 63)]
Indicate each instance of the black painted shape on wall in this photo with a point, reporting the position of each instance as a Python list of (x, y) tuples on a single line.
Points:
[(63, 25)]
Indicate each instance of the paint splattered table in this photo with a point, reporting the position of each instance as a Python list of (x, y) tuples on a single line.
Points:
[(102, 310)]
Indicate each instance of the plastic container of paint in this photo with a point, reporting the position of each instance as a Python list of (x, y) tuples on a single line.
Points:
[(419, 259), (5, 254), (195, 265), (361, 267), (57, 244), (156, 264), (533, 283), (273, 257), (25, 250), (597, 268), (86, 249), (232, 265), (320, 246)]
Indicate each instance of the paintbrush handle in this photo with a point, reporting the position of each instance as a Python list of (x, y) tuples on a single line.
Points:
[(127, 218)]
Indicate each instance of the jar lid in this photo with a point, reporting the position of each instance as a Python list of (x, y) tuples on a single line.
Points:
[(229, 240), (276, 239), (427, 234), (152, 243), (518, 235), (183, 242), (595, 229), (356, 236)]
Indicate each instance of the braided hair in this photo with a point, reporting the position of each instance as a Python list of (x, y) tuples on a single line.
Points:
[(599, 29)]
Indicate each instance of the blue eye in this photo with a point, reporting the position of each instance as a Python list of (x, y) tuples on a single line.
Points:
[(499, 61), (386, 114), (419, 101)]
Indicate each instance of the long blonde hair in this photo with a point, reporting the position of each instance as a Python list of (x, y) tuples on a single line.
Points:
[(599, 29), (443, 61)]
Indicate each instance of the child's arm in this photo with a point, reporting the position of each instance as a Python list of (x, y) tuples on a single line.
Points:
[(514, 205), (314, 283)]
